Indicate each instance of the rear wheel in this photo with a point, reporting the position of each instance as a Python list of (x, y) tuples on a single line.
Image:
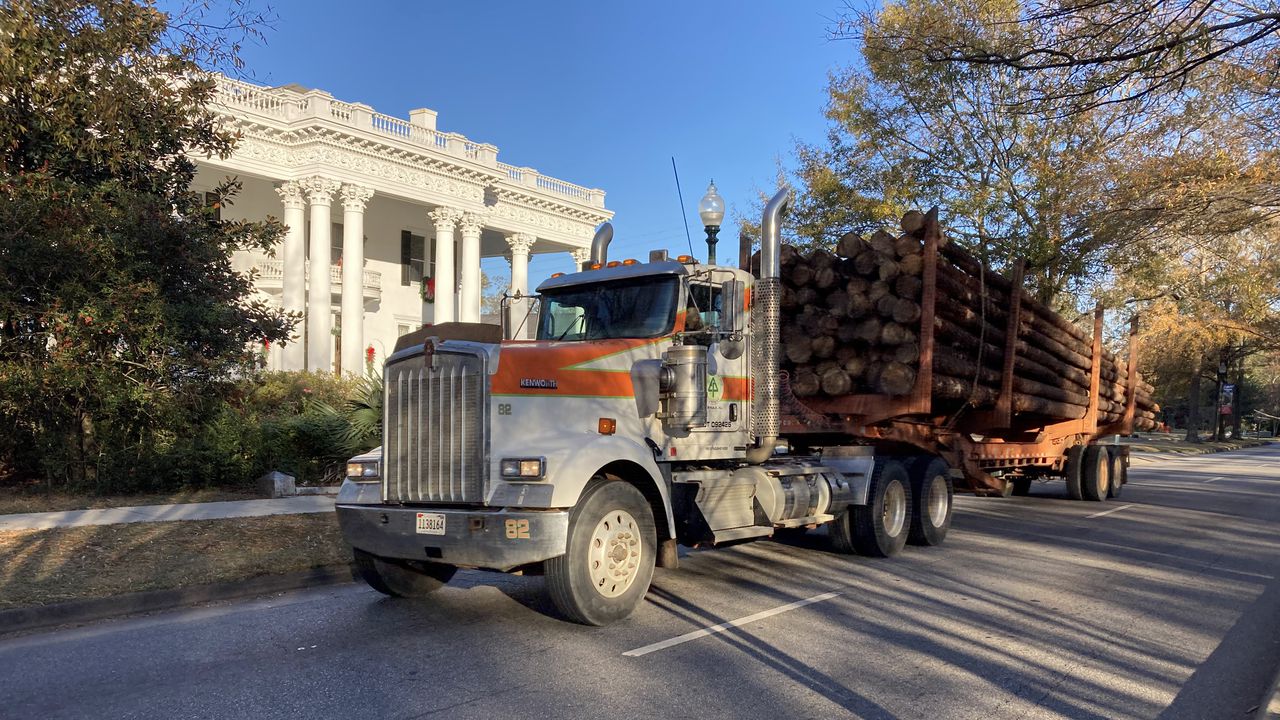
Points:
[(608, 562), (1095, 476), (879, 528), (1119, 474), (1075, 463), (931, 493), (402, 578)]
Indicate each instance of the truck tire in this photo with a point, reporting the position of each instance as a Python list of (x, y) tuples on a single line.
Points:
[(1119, 474), (1095, 475), (1021, 486), (931, 496), (879, 528), (1072, 470), (608, 562), (402, 578)]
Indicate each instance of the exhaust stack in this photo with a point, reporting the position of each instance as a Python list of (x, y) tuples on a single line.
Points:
[(600, 244), (765, 330)]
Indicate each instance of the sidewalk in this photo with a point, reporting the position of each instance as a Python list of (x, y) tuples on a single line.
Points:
[(165, 513)]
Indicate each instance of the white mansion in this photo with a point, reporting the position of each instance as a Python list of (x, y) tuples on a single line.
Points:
[(376, 207)]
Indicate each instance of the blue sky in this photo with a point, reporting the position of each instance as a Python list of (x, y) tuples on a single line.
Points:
[(601, 94)]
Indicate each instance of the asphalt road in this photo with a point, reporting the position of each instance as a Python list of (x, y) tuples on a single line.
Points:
[(1168, 606)]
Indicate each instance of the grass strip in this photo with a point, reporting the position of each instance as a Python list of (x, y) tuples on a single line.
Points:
[(41, 567)]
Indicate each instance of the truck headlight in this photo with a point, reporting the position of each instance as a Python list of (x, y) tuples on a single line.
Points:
[(363, 470), (524, 467)]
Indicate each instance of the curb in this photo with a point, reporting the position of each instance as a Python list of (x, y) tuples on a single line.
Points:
[(1269, 708), (81, 611)]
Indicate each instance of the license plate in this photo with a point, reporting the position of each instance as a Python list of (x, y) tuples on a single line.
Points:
[(430, 523)]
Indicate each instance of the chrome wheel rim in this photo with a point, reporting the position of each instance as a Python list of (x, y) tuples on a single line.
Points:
[(894, 514), (613, 557), (937, 501)]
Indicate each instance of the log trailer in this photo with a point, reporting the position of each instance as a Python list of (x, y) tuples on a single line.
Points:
[(650, 412)]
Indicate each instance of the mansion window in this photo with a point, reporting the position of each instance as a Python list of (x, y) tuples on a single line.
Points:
[(413, 258)]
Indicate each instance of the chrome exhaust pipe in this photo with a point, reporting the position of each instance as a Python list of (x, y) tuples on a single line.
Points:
[(766, 331), (600, 243)]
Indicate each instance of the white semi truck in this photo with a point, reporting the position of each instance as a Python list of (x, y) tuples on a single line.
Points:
[(645, 415)]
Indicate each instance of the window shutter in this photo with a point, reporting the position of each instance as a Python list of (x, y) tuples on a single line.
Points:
[(406, 240)]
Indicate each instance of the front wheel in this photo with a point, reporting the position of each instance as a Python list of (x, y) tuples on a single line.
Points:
[(608, 562), (402, 578)]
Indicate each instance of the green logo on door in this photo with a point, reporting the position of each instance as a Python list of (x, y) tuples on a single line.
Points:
[(713, 389)]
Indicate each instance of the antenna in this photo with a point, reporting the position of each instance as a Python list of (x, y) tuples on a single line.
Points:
[(680, 195)]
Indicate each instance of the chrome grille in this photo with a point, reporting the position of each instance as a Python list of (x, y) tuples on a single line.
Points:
[(434, 445)]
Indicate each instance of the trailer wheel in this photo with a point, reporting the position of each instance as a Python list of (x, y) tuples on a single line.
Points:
[(1095, 475), (1072, 470), (1119, 474), (879, 528), (931, 493), (1021, 486), (608, 562), (402, 578)]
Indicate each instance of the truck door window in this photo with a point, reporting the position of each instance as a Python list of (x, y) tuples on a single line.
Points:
[(703, 311)]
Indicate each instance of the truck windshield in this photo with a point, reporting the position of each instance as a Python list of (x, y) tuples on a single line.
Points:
[(632, 308)]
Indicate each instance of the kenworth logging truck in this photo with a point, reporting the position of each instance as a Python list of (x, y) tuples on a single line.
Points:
[(665, 403)]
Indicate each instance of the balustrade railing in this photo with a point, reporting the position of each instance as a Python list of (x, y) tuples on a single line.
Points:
[(290, 105), (270, 271)]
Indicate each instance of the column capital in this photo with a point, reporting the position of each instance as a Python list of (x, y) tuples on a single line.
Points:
[(445, 218), (580, 255), (355, 197), (521, 243), (290, 193), (319, 189), (472, 222)]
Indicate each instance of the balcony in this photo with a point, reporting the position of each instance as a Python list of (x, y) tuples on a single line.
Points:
[(269, 276)]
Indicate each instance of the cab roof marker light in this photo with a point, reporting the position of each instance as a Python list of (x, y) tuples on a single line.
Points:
[(556, 275), (630, 261), (612, 264)]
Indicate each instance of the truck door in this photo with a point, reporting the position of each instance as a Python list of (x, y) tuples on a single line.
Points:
[(727, 386)]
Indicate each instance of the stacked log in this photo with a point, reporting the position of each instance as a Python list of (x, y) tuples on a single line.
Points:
[(852, 323)]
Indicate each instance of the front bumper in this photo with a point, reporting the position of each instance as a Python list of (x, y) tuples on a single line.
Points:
[(496, 539)]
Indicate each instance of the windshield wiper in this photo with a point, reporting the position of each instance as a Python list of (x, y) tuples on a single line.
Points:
[(571, 326)]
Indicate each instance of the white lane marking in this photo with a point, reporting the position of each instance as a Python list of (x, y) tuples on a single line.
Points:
[(663, 645), (1108, 512), (1215, 479)]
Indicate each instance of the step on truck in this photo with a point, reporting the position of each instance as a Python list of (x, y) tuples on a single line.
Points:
[(650, 412)]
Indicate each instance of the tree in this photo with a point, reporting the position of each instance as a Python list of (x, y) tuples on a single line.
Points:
[(1214, 300), (1109, 51), (120, 314), (909, 133)]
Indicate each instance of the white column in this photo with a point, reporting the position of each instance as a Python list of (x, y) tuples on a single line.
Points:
[(319, 288), (580, 255), (520, 244), (293, 356), (445, 310), (469, 308), (354, 198)]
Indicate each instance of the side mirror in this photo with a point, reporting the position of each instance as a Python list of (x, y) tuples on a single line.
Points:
[(732, 343)]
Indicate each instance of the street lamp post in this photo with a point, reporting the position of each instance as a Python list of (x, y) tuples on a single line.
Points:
[(711, 210)]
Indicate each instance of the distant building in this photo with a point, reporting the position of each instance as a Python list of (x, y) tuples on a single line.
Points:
[(377, 207)]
